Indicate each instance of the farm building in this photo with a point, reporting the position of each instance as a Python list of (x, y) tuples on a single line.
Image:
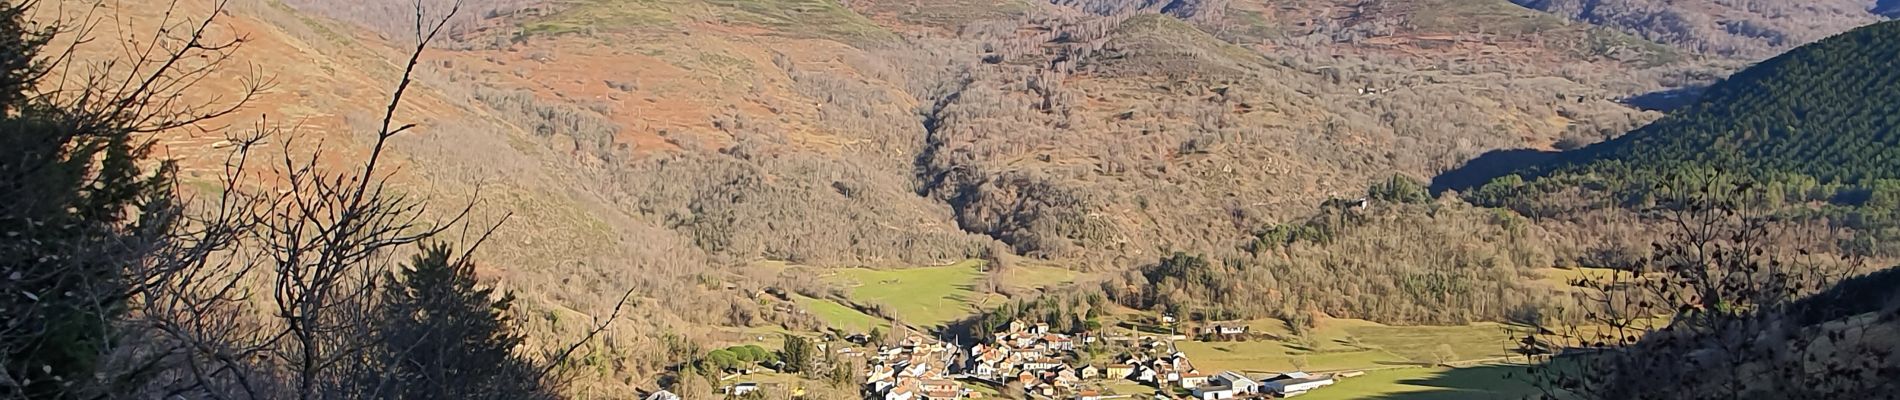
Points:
[(1295, 383)]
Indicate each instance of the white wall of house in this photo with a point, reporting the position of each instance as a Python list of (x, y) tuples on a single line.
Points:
[(1213, 394)]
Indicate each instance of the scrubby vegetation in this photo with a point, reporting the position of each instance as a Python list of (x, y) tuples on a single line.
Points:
[(1720, 311), (1731, 28), (1417, 264)]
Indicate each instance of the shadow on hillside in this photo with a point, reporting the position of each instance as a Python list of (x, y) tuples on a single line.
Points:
[(1473, 383), (1666, 100), (1488, 166), (963, 331)]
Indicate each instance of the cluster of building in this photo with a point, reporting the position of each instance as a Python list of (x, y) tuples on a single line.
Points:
[(1031, 355), (915, 369), (1164, 368)]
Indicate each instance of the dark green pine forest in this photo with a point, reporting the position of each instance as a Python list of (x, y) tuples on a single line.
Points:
[(1824, 113), (1815, 126)]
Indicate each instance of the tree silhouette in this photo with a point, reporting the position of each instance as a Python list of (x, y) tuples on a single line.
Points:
[(86, 218), (446, 336), (1718, 313)]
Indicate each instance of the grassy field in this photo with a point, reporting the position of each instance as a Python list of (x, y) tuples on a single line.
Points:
[(1342, 344), (946, 14), (922, 296), (1129, 388), (795, 18), (1393, 356), (770, 338), (1270, 356), (804, 18), (1492, 15), (1029, 277), (1475, 383), (1422, 343), (840, 316), (605, 15), (1566, 277)]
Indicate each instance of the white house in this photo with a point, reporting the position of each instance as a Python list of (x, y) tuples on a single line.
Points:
[(985, 370), (1295, 383), (1213, 392), (1194, 379), (1042, 364), (1142, 374), (1058, 342), (1240, 383), (742, 388), (663, 395), (1230, 329)]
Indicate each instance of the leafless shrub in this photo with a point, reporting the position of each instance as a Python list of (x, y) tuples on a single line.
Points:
[(1754, 29), (318, 240), (1721, 310)]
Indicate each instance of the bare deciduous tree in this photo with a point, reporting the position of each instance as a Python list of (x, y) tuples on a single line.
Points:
[(127, 288), (1718, 312)]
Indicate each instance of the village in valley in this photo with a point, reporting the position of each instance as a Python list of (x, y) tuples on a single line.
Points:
[(1031, 360), (934, 338)]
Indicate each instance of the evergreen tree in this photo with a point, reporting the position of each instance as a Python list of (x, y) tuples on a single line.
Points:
[(79, 217), (446, 336), (1399, 189), (797, 354)]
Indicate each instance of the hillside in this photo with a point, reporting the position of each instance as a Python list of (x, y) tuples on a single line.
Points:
[(1824, 111), (1098, 138), (705, 152), (706, 96), (1751, 29)]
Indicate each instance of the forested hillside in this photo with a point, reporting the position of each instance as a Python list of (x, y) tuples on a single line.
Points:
[(1827, 111)]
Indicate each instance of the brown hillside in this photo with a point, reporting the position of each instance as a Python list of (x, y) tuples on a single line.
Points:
[(669, 145)]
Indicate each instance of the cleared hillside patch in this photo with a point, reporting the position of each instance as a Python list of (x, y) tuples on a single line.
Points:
[(823, 19), (1035, 277), (922, 296), (945, 14), (840, 316)]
